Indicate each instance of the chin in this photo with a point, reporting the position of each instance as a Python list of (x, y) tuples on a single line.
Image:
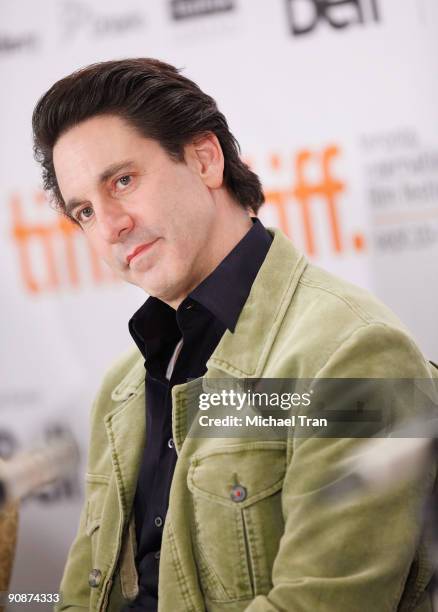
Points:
[(148, 280), (165, 287), (156, 290)]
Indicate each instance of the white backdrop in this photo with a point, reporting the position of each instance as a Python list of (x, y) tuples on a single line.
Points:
[(338, 115)]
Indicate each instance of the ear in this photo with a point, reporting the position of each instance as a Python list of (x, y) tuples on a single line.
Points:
[(205, 156)]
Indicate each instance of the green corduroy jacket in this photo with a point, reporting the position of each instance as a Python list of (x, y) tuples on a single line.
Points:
[(280, 549)]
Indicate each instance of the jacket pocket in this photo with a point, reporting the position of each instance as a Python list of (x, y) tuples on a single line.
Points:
[(237, 517)]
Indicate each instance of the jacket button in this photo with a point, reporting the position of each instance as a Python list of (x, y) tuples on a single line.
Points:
[(238, 493), (158, 521), (170, 443), (94, 578)]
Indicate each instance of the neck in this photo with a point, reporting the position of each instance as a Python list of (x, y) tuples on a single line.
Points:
[(231, 227)]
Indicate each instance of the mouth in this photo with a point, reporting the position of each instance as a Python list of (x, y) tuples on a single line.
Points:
[(140, 249)]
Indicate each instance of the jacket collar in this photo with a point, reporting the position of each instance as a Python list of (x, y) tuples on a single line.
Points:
[(131, 383), (244, 353)]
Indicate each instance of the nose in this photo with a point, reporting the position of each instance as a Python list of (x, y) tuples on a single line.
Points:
[(114, 222)]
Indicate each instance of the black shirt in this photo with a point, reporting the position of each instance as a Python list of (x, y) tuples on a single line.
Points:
[(200, 321)]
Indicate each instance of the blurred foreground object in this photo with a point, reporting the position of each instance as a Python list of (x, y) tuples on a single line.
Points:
[(387, 461), (8, 537), (27, 472)]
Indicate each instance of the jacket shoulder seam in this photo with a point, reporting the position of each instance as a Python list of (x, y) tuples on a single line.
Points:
[(353, 306)]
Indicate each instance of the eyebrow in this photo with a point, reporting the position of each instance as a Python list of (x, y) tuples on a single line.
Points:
[(102, 178)]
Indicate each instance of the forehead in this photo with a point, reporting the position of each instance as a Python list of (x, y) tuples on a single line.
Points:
[(89, 148)]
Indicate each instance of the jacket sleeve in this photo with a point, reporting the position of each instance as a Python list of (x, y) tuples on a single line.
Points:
[(74, 589), (352, 555)]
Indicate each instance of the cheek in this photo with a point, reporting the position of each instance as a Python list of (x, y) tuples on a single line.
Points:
[(187, 200)]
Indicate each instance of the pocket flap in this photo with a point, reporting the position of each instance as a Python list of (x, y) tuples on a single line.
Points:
[(259, 467)]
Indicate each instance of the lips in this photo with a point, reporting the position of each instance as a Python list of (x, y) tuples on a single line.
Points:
[(139, 249)]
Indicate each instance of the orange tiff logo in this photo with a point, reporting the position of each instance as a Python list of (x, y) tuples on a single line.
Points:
[(53, 254), (305, 194)]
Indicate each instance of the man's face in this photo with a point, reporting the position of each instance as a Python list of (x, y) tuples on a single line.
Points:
[(149, 217)]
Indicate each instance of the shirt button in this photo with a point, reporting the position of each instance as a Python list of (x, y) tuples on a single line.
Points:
[(158, 521), (170, 443), (94, 578), (238, 493), (157, 555)]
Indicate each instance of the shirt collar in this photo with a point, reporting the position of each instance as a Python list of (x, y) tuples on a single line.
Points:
[(223, 292)]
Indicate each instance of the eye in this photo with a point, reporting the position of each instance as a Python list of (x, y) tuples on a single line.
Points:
[(84, 214), (124, 181)]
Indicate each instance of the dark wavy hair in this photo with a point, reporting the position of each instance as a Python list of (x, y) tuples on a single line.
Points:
[(156, 100)]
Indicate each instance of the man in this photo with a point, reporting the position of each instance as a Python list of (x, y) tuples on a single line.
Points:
[(142, 160)]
